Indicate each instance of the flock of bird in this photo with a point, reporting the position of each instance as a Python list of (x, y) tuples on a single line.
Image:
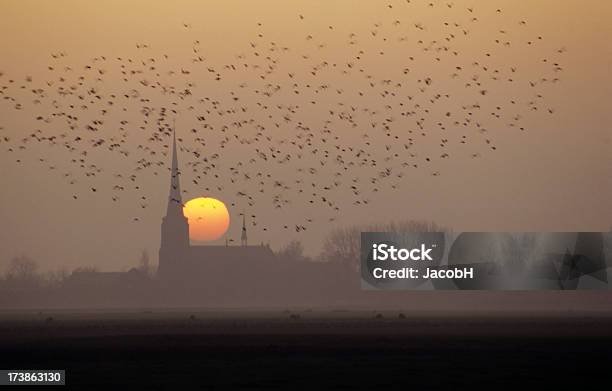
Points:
[(324, 124)]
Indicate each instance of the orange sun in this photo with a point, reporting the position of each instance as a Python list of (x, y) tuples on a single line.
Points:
[(208, 218)]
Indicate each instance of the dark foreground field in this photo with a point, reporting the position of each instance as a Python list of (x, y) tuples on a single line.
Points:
[(310, 350)]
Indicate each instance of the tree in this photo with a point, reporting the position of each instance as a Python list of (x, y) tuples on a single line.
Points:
[(56, 278), (293, 251), (23, 271), (343, 244), (144, 265), (85, 269)]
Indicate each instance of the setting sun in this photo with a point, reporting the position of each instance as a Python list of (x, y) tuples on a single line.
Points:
[(208, 218)]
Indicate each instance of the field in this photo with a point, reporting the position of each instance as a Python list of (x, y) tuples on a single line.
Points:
[(215, 349)]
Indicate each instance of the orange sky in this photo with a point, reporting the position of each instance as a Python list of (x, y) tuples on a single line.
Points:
[(555, 176)]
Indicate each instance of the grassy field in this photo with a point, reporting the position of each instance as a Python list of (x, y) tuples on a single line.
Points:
[(176, 349)]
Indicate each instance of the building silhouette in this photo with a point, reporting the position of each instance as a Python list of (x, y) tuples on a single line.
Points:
[(180, 261)]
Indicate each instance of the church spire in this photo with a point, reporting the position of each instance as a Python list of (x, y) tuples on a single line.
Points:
[(175, 227), (174, 197), (243, 238)]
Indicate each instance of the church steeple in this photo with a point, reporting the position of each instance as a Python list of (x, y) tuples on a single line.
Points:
[(175, 228), (243, 237), (174, 196)]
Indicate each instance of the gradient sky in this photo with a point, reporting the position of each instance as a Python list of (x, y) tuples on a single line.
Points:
[(555, 176)]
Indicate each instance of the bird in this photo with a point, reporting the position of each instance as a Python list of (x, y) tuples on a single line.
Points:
[(319, 128)]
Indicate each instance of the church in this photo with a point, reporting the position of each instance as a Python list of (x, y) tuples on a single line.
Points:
[(237, 275), (180, 260)]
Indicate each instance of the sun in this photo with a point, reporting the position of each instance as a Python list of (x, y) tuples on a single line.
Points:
[(208, 218)]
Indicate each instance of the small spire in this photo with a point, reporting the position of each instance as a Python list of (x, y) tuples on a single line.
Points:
[(243, 237)]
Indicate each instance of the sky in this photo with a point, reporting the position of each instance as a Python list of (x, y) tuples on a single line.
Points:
[(290, 102)]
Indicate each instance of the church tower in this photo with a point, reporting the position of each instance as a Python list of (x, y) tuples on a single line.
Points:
[(243, 237), (174, 228)]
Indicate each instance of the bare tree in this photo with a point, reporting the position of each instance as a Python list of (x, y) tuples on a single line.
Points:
[(293, 251), (56, 278), (23, 271), (144, 264), (343, 244), (85, 269)]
